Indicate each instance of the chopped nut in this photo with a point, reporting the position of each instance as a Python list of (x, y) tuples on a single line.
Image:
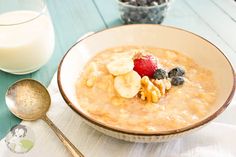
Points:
[(167, 84), (160, 85), (92, 78), (163, 85), (149, 91), (154, 96), (153, 90), (92, 74), (142, 95), (92, 67), (91, 81)]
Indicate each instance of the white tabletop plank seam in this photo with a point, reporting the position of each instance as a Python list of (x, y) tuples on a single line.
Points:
[(229, 6), (224, 11), (204, 21), (99, 12)]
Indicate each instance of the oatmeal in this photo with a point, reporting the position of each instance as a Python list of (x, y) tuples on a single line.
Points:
[(145, 89)]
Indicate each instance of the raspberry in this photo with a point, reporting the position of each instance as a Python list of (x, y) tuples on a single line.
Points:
[(145, 65)]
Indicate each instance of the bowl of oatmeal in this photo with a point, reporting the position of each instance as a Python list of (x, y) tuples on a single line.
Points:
[(146, 83)]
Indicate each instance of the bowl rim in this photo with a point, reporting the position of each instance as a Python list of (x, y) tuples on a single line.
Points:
[(140, 133)]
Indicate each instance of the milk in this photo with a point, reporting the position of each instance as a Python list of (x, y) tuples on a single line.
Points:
[(25, 46)]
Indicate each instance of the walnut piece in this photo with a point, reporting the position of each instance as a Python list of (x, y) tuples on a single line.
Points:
[(153, 90), (149, 91), (163, 85)]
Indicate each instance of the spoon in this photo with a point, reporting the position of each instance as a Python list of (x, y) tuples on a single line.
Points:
[(29, 100)]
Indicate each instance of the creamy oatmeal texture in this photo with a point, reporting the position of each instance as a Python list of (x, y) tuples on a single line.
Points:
[(181, 106)]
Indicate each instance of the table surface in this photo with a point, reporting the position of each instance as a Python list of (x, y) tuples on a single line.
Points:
[(214, 20)]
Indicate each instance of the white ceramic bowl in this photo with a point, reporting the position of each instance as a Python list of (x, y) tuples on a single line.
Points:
[(194, 46)]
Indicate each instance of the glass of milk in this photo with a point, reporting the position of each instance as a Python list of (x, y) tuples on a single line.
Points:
[(26, 35)]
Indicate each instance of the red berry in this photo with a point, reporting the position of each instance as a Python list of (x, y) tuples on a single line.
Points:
[(145, 65)]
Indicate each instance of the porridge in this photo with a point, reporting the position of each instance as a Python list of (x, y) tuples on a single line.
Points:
[(145, 89)]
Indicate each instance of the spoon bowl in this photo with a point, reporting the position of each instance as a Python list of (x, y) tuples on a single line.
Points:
[(29, 100)]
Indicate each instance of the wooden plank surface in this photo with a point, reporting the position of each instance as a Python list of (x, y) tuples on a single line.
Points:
[(227, 6), (223, 26), (184, 16), (109, 12), (71, 19)]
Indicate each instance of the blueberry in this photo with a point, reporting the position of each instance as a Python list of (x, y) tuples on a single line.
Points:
[(177, 80), (160, 74), (176, 72)]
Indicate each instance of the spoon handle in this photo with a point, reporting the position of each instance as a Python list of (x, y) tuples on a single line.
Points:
[(70, 147)]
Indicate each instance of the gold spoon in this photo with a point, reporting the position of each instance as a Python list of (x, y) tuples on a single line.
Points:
[(29, 100)]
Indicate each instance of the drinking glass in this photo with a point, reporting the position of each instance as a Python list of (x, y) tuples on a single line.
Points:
[(26, 35)]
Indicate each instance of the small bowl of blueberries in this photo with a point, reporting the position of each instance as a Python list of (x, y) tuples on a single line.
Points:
[(143, 11)]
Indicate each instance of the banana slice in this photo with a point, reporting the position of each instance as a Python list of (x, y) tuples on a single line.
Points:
[(128, 85), (120, 66)]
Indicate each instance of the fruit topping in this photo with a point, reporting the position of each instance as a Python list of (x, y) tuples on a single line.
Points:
[(160, 74), (120, 66), (127, 85), (145, 65), (176, 72), (177, 80)]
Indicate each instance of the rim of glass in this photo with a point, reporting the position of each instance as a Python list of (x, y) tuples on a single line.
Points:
[(142, 7), (30, 19)]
